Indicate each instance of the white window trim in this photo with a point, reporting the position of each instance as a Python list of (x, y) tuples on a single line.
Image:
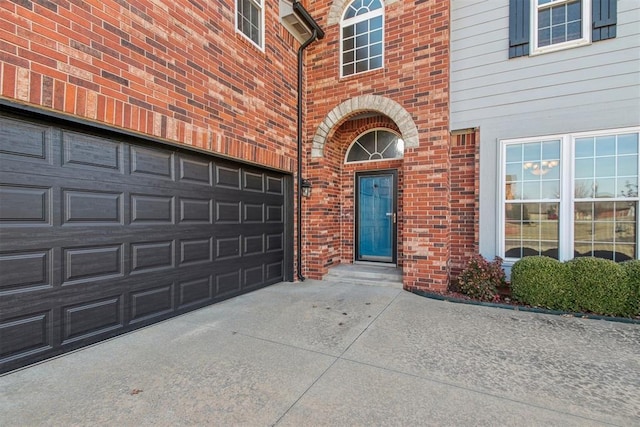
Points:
[(567, 189), (586, 29), (260, 4), (354, 20)]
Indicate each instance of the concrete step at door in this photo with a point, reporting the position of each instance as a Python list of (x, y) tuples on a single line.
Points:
[(366, 274)]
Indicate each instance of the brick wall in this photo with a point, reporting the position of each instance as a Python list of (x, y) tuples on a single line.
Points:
[(415, 76), (176, 70), (465, 191), (329, 222)]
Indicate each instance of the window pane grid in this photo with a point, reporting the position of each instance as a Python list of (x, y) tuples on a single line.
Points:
[(531, 229), (559, 22), (606, 230), (250, 19), (533, 171), (361, 7), (362, 46), (606, 167), (606, 193), (375, 145), (603, 204)]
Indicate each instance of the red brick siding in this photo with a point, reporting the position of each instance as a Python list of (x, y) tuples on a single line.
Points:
[(416, 76), (464, 199), (176, 70), (329, 224)]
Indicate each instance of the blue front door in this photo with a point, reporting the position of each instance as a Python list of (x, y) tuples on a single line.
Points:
[(376, 216)]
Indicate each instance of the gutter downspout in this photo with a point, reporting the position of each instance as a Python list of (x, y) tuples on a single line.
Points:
[(316, 34)]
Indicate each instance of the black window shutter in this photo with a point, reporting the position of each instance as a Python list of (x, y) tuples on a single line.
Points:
[(519, 22), (604, 14)]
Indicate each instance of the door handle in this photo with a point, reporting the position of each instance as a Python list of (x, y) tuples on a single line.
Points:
[(392, 214)]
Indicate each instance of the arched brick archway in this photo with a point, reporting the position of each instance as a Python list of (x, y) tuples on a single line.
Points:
[(380, 104), (337, 8)]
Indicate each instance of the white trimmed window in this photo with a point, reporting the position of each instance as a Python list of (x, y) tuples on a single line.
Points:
[(559, 24), (571, 195), (362, 37), (249, 20), (539, 26), (375, 145)]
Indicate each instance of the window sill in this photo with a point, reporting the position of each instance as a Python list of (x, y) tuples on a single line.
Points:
[(559, 47), (250, 42), (361, 73)]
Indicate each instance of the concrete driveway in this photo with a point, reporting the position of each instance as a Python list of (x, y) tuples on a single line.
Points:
[(327, 353)]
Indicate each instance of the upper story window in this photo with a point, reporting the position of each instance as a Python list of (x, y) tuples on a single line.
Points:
[(560, 23), (362, 37), (571, 195), (375, 145), (249, 20), (539, 26)]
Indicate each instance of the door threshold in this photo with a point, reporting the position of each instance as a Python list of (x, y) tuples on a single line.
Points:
[(376, 263)]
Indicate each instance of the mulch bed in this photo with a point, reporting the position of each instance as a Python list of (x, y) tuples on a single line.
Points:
[(504, 301)]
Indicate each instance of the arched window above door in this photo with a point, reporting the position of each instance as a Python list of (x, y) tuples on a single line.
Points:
[(375, 145)]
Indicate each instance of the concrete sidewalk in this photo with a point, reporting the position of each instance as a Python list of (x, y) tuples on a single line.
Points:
[(322, 353)]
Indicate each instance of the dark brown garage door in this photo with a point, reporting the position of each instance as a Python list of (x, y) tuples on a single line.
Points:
[(100, 235)]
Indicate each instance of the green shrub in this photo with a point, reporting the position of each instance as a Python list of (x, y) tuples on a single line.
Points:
[(481, 278), (601, 286), (632, 268), (542, 282)]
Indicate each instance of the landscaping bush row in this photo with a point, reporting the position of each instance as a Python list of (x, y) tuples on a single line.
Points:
[(586, 284)]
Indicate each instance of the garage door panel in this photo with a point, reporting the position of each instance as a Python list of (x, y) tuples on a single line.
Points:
[(25, 205), (26, 141), (152, 163), (253, 212), (26, 271), (100, 236), (195, 171), (253, 276), (274, 271), (152, 208), (253, 245), (91, 263), (275, 185), (151, 303), (227, 177), (228, 248), (91, 153), (92, 318), (228, 282), (274, 214), (274, 242), (227, 211), (196, 251), (195, 291), (253, 181), (152, 256), (26, 335), (195, 210), (93, 207), (249, 228)]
